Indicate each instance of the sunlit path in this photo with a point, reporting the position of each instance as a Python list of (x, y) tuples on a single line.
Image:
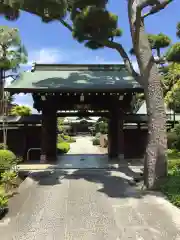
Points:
[(86, 205)]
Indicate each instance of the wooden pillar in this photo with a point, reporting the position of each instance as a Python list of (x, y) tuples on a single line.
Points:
[(49, 135), (121, 136), (116, 135)]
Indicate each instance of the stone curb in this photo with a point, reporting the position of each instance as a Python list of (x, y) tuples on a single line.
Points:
[(26, 183)]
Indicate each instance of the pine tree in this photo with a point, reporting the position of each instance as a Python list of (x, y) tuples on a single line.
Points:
[(12, 54)]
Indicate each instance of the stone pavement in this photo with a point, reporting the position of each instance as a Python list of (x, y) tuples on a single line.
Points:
[(88, 204)]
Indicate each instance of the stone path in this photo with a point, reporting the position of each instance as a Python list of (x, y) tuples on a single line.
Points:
[(88, 205), (84, 145), (83, 154)]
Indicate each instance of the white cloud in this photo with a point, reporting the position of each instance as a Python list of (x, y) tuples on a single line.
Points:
[(47, 55), (8, 81)]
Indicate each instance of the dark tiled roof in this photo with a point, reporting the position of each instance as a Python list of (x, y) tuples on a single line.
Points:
[(60, 77)]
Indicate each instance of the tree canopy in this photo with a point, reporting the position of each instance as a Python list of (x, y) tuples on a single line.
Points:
[(12, 51), (21, 111)]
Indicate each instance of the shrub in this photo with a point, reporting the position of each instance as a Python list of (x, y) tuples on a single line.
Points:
[(63, 147), (20, 111), (101, 127), (3, 201), (8, 176), (65, 138), (72, 140), (174, 137), (7, 160), (171, 188), (173, 164), (8, 179), (173, 154), (96, 141), (171, 139), (60, 138)]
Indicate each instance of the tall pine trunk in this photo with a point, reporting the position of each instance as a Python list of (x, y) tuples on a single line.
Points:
[(155, 162), (155, 165)]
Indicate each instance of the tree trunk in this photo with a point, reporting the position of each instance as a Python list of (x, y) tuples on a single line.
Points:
[(155, 165)]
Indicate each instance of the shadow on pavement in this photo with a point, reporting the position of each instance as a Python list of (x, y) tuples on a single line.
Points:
[(116, 183)]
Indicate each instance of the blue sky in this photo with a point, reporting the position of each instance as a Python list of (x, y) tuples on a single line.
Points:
[(53, 43)]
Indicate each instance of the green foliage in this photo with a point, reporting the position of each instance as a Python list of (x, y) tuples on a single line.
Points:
[(172, 97), (8, 180), (174, 138), (13, 51), (159, 41), (171, 73), (96, 141), (174, 163), (102, 119), (93, 24), (21, 111), (171, 188), (7, 160), (69, 139), (171, 139), (47, 10), (8, 176), (171, 80), (178, 30), (3, 201), (101, 127), (60, 138), (173, 154), (173, 53), (63, 147), (65, 138)]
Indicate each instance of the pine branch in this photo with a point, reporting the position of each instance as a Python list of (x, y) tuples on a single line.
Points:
[(137, 17), (67, 25), (157, 8), (124, 55), (116, 46), (11, 75)]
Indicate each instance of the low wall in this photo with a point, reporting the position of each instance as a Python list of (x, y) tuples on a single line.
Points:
[(135, 141), (20, 139)]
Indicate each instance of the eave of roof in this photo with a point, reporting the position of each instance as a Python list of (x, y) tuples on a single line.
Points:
[(75, 78)]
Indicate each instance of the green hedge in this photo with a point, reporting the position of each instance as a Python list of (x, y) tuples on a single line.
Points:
[(173, 154), (171, 188), (63, 147), (3, 201), (96, 141), (7, 160), (65, 138), (69, 139), (173, 137)]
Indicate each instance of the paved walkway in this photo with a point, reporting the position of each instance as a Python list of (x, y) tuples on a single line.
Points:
[(88, 205), (83, 145), (83, 154)]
